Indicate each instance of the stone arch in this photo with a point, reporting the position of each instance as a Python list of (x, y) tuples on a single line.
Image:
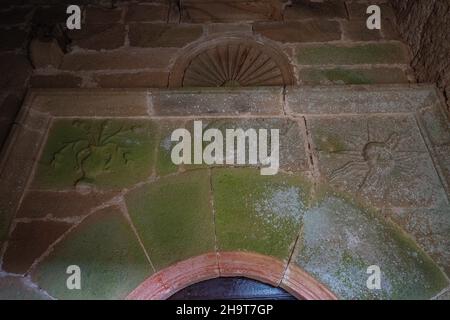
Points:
[(231, 61), (172, 279)]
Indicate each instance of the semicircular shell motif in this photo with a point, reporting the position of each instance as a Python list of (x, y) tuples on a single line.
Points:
[(233, 64)]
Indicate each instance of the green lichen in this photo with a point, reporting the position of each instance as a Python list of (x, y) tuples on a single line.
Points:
[(173, 217), (258, 213), (111, 261), (100, 153), (387, 53), (341, 238)]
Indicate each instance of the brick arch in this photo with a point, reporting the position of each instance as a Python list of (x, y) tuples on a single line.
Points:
[(228, 62), (172, 279)]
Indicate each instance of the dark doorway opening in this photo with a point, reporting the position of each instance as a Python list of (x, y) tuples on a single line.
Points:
[(235, 288)]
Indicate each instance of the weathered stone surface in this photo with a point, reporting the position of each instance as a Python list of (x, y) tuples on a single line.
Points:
[(258, 213), (18, 288), (229, 11), (173, 217), (63, 80), (108, 253), (356, 30), (121, 154), (164, 164), (292, 153), (115, 60), (341, 100), (305, 9), (28, 242), (147, 12), (357, 10), (386, 53), (104, 103), (102, 15), (209, 101), (45, 53), (300, 31), (19, 159), (436, 124), (422, 23), (156, 79), (233, 63), (98, 36), (383, 159), (214, 28), (444, 295), (60, 204), (343, 75), (340, 240), (163, 35), (429, 228)]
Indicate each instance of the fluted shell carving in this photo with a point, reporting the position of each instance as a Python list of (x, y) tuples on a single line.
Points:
[(232, 65)]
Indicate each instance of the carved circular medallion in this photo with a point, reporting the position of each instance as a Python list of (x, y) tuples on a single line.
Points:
[(232, 63)]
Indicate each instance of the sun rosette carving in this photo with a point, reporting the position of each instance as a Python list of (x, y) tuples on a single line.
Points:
[(387, 167), (232, 62)]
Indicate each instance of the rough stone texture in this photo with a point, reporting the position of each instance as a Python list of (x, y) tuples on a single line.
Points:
[(163, 35), (299, 31), (350, 232), (343, 75), (374, 53), (147, 12), (258, 213), (98, 37), (28, 242), (109, 255), (45, 54), (217, 101), (228, 11), (381, 158), (63, 80), (156, 79), (120, 154), (173, 217), (18, 288), (304, 9), (424, 25), (384, 137), (114, 60), (60, 204)]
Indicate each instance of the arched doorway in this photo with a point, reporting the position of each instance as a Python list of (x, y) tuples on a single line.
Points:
[(231, 288), (268, 270)]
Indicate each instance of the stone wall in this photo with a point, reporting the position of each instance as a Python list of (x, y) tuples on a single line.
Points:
[(425, 25), (140, 43)]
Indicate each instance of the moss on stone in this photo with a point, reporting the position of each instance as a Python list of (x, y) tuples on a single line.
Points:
[(328, 142), (164, 164), (16, 288), (173, 217), (258, 213), (341, 239), (101, 153), (105, 248), (386, 53)]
